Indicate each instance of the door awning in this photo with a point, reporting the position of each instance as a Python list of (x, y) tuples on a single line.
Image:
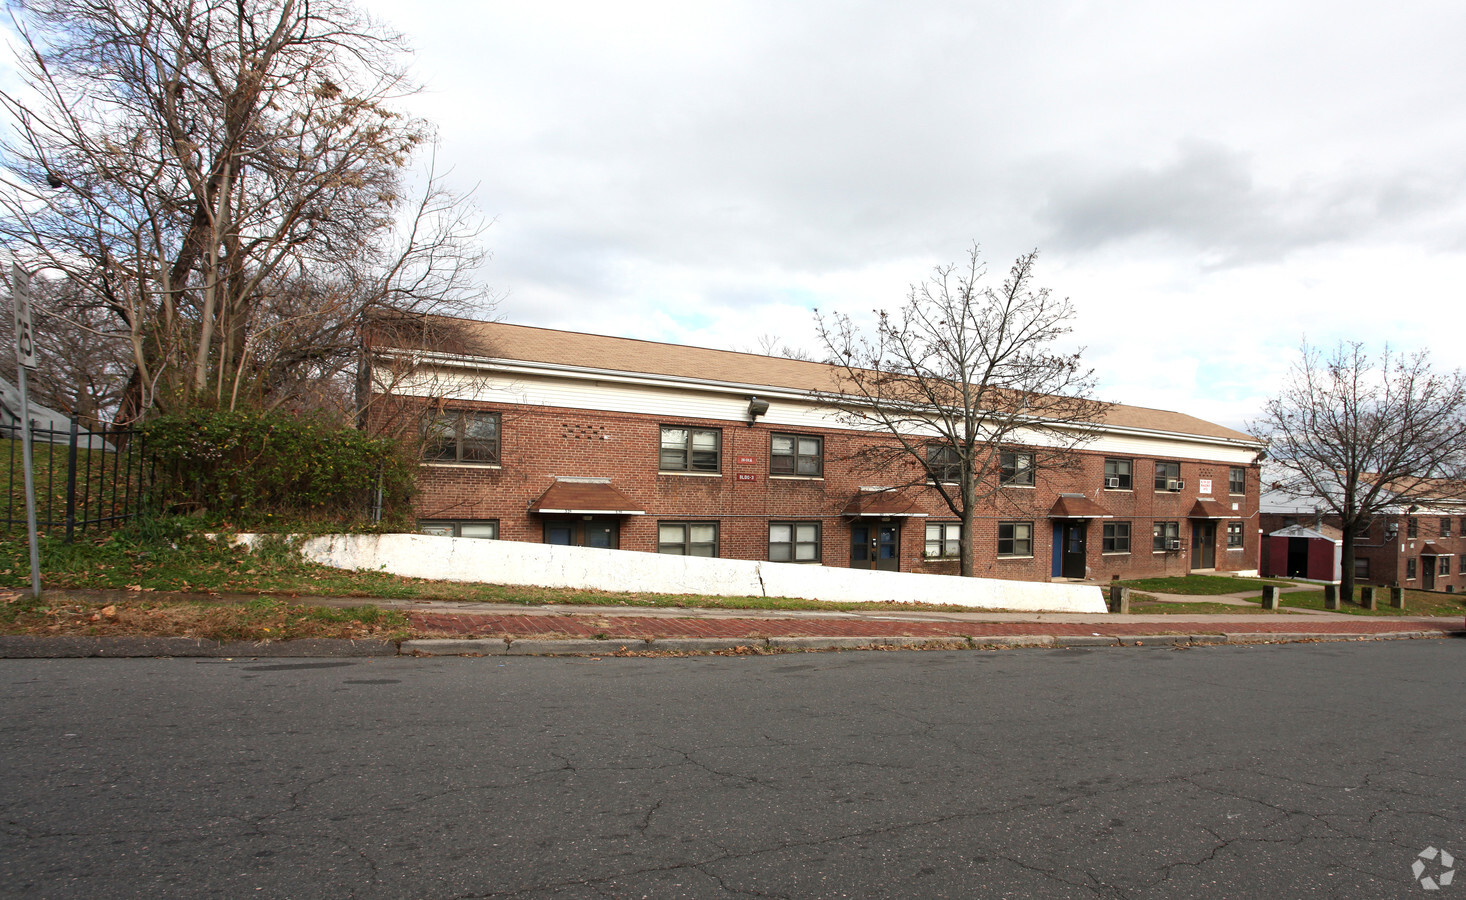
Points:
[(584, 496), (883, 504), (1431, 548), (1077, 506), (1209, 509)]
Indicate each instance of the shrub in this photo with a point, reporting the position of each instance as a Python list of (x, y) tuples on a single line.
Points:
[(258, 468)]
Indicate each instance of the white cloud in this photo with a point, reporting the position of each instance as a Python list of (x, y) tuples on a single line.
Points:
[(1207, 183)]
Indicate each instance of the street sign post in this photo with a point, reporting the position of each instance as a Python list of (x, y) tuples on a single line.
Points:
[(25, 355)]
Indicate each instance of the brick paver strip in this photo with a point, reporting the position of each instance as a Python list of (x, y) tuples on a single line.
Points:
[(752, 627)]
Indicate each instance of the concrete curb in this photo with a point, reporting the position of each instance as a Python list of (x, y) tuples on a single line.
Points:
[(1086, 640), (69, 647), (1013, 640), (456, 647)]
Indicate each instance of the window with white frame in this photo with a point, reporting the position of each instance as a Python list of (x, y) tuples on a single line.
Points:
[(943, 540)]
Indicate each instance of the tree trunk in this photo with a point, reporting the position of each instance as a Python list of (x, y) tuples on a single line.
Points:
[(968, 507), (965, 545), (1346, 566)]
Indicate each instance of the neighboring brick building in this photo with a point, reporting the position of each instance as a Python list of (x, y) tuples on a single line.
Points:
[(562, 437), (1418, 543)]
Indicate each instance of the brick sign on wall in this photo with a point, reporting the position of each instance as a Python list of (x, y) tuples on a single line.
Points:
[(747, 476)]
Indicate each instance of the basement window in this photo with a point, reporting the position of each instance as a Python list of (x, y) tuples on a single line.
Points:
[(465, 528)]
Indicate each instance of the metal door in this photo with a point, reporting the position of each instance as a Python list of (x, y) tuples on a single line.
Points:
[(1072, 564), (876, 546)]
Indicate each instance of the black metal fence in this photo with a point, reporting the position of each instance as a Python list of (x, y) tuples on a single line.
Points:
[(84, 478)]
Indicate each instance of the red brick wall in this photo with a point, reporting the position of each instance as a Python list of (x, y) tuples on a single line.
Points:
[(539, 443)]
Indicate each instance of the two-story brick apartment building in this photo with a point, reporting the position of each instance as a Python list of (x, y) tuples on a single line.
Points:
[(562, 437)]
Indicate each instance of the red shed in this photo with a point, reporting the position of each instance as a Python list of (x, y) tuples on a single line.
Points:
[(1302, 552)]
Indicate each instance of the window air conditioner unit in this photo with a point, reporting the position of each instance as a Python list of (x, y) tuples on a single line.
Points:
[(1112, 482), (1173, 545), (1175, 485)]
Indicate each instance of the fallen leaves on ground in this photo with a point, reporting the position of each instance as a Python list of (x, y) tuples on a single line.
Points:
[(265, 619)]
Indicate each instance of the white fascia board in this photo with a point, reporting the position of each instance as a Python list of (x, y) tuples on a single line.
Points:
[(763, 391)]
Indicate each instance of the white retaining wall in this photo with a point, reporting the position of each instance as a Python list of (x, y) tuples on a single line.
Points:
[(547, 565)]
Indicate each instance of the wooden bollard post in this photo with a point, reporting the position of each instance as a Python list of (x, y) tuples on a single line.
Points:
[(1367, 596), (1331, 596), (1397, 598), (1270, 595), (1119, 599)]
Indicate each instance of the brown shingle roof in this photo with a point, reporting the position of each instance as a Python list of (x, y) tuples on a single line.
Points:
[(881, 503), (571, 348), (1071, 506), (584, 497), (1209, 509)]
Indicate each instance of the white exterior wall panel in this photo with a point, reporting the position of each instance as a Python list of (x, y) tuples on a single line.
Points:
[(604, 395)]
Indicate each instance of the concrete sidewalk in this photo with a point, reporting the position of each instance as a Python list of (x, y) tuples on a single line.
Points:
[(508, 629)]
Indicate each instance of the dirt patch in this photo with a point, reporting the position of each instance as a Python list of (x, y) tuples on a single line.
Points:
[(263, 619)]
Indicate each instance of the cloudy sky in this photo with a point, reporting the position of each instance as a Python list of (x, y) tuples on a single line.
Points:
[(1210, 184)]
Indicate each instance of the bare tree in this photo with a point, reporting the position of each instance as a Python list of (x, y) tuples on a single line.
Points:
[(964, 378), (226, 179), (773, 345), (79, 371), (1360, 435)]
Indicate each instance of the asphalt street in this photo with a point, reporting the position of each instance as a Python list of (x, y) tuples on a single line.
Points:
[(1236, 771)]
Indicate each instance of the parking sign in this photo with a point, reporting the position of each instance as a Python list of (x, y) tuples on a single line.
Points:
[(25, 337)]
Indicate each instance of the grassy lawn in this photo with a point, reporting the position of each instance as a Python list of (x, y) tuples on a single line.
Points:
[(167, 560), (1151, 605), (1199, 584), (1417, 603), (100, 495)]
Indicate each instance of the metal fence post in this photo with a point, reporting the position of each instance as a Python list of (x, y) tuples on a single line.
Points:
[(71, 482)]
